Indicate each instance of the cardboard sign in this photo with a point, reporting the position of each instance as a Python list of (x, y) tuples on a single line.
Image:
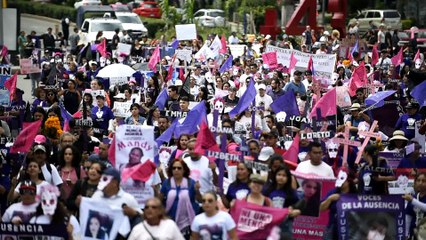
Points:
[(28, 67), (184, 54), (122, 109), (186, 32), (124, 48), (118, 81)]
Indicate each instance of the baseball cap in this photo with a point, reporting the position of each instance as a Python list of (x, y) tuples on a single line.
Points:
[(39, 147), (265, 153), (297, 73), (28, 185), (262, 86), (113, 172)]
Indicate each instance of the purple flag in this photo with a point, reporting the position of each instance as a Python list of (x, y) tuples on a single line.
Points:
[(378, 98), (167, 135), (355, 48), (175, 44), (419, 93), (245, 100), (286, 103), (227, 65), (162, 99), (192, 121)]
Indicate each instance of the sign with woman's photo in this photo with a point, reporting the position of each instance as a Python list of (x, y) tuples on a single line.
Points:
[(134, 154), (371, 217), (98, 220), (311, 223)]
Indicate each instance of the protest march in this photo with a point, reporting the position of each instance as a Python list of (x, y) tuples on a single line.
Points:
[(312, 137)]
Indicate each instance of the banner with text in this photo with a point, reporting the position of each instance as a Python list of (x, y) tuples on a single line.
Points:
[(32, 231), (365, 216)]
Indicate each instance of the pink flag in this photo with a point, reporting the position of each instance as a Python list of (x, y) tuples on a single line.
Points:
[(10, 84), (293, 61), (111, 152), (141, 172), (171, 69), (359, 79), (327, 104), (374, 55), (26, 137), (101, 48), (292, 153), (417, 56), (310, 64), (205, 140), (155, 58), (224, 48), (4, 51), (398, 58), (254, 221), (270, 58)]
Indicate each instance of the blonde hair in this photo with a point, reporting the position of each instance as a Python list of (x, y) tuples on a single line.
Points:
[(335, 33)]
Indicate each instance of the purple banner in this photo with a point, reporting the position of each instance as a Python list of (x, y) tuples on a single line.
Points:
[(371, 217), (32, 231)]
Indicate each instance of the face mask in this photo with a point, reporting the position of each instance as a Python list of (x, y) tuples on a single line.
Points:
[(105, 180), (49, 199)]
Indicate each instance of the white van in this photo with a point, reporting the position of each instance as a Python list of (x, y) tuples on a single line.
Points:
[(391, 18), (132, 23)]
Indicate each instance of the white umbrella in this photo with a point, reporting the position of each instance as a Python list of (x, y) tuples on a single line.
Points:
[(116, 70)]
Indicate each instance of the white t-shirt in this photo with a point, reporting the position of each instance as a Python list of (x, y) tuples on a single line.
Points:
[(166, 230), (25, 212), (201, 172), (215, 227), (267, 100), (54, 177), (322, 170)]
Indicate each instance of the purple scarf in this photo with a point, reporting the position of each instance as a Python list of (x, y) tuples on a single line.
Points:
[(184, 212)]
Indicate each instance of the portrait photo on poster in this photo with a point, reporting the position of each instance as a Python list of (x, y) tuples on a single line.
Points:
[(98, 225), (371, 225), (310, 193)]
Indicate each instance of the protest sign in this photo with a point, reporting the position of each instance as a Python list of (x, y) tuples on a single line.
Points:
[(324, 64), (27, 66), (186, 32), (124, 48), (237, 50), (184, 54), (95, 92), (134, 154), (361, 216), (4, 97), (99, 220), (311, 223), (118, 81), (122, 109), (254, 221), (5, 73), (33, 231)]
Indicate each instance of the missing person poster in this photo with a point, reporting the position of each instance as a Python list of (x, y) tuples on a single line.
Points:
[(98, 220), (311, 223), (134, 153), (371, 217)]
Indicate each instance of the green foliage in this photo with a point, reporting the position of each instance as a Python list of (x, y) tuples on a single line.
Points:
[(165, 9), (154, 26), (189, 10), (408, 23), (44, 9)]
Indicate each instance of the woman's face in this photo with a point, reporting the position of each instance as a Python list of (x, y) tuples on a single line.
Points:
[(42, 94), (50, 96), (399, 143), (68, 155), (38, 116), (156, 113), (242, 172), (135, 111), (177, 170), (87, 98), (71, 85), (281, 177), (420, 183), (310, 188), (94, 85), (51, 114), (94, 172), (94, 225), (33, 169), (183, 140), (256, 187), (209, 203)]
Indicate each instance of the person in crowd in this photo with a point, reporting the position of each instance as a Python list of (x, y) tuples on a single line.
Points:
[(40, 100), (69, 168), (344, 185), (257, 182), (374, 174), (155, 225), (407, 121), (21, 212), (296, 85), (212, 223), (134, 118), (180, 194), (315, 165), (397, 142), (239, 189), (101, 115), (416, 207), (72, 97)]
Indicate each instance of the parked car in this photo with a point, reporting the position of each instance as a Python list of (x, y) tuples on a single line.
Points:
[(389, 17), (87, 3), (210, 17), (132, 23), (148, 9), (91, 27), (407, 35), (119, 7)]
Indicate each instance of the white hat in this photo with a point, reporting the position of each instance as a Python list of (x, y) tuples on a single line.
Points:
[(355, 107), (326, 33), (262, 86), (178, 82), (341, 178), (265, 153), (398, 135), (93, 62), (268, 37)]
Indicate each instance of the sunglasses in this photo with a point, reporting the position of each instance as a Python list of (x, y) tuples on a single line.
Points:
[(207, 200), (177, 168), (50, 94)]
